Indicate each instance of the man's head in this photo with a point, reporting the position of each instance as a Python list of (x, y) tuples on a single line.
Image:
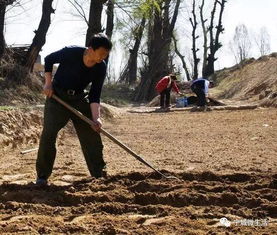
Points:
[(211, 81), (173, 76), (100, 40), (211, 84), (99, 47)]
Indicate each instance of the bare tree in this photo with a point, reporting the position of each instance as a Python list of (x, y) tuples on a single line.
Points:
[(184, 64), (40, 35), (214, 32), (95, 17), (241, 43), (110, 18), (80, 10), (193, 21), (211, 31), (262, 40), (129, 74), (205, 38)]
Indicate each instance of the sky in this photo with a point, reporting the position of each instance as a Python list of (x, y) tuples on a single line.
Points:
[(63, 31), (252, 13)]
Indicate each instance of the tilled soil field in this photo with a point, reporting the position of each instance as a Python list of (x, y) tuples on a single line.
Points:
[(226, 162)]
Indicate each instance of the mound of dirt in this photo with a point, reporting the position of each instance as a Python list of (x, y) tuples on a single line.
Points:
[(108, 112), (23, 126), (19, 127), (251, 81)]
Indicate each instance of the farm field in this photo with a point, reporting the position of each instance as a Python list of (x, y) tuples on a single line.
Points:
[(225, 161)]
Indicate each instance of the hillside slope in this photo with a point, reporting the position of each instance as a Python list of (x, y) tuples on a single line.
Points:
[(251, 81)]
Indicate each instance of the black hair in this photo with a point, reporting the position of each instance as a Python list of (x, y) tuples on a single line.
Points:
[(173, 76), (100, 40)]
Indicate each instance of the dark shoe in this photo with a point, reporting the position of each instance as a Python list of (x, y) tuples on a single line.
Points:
[(41, 182), (101, 174), (195, 109), (203, 108), (166, 109), (104, 173)]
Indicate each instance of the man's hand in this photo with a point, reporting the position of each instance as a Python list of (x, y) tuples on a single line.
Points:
[(48, 90), (97, 125), (95, 111)]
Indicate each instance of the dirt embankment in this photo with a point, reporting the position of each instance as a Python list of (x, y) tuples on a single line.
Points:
[(19, 127), (251, 81)]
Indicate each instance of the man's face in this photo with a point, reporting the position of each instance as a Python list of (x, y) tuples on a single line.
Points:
[(99, 54)]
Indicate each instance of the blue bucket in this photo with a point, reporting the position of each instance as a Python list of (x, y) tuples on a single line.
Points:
[(181, 102)]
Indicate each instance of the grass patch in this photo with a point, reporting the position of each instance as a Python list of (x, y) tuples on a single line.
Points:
[(4, 108)]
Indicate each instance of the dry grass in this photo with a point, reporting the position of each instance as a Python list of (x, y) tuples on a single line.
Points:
[(254, 81)]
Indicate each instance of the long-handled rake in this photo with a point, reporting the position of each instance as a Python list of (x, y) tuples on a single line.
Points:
[(115, 140)]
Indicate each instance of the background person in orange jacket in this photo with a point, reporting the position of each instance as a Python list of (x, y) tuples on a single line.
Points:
[(164, 87)]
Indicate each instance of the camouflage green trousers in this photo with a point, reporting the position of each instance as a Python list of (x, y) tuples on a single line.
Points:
[(56, 117)]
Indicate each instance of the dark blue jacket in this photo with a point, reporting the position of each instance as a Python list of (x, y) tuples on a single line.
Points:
[(72, 74), (200, 84)]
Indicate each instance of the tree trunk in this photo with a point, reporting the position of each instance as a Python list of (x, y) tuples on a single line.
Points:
[(158, 55), (196, 60), (205, 42), (3, 5), (129, 75), (95, 16), (40, 35), (110, 18), (158, 52), (215, 45), (182, 58), (2, 23), (132, 76)]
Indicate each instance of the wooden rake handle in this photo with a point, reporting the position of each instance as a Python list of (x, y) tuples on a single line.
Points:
[(111, 137)]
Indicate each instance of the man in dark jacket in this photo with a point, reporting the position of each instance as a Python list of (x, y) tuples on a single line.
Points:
[(78, 67)]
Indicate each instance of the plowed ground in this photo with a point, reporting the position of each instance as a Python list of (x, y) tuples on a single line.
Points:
[(226, 162)]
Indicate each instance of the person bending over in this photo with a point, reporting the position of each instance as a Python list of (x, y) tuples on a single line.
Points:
[(200, 87), (164, 87)]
